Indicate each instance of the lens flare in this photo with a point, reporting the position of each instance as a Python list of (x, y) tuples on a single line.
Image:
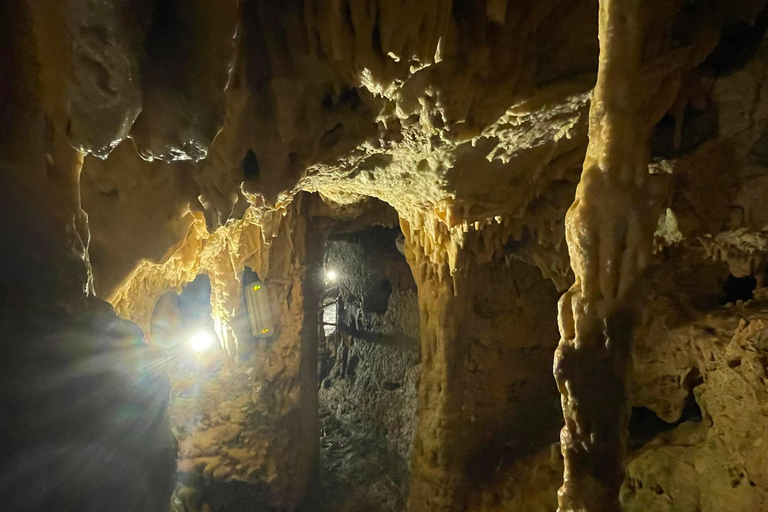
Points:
[(331, 275), (201, 341)]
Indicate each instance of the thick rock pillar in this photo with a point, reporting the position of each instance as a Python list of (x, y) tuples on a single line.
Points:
[(438, 461)]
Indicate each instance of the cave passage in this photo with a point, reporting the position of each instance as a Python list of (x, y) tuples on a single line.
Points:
[(367, 364)]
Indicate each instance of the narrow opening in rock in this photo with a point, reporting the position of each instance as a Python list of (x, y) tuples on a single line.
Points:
[(739, 42), (250, 166), (738, 288), (645, 424)]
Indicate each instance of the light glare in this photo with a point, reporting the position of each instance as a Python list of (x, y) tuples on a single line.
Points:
[(331, 275), (201, 341)]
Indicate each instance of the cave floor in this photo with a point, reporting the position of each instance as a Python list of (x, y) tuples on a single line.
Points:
[(356, 472)]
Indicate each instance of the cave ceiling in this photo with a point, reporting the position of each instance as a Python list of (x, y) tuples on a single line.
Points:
[(468, 118)]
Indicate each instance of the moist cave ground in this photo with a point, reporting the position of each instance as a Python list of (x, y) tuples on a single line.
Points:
[(366, 255)]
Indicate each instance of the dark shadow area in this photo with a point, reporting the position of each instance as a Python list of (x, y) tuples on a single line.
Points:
[(195, 301), (193, 492), (698, 126), (738, 288), (250, 166), (377, 300), (644, 424), (496, 457), (739, 42)]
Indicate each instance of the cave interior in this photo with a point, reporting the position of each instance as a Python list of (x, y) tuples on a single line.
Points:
[(384, 256)]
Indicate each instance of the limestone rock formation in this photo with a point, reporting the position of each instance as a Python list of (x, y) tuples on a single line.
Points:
[(458, 164)]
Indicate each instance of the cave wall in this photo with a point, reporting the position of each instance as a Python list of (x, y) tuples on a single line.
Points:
[(699, 366), (245, 416), (509, 404), (712, 462), (469, 119), (85, 422)]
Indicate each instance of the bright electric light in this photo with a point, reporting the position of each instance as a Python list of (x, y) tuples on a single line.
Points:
[(201, 341), (331, 275)]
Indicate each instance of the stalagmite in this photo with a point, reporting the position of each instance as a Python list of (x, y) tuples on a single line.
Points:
[(609, 231)]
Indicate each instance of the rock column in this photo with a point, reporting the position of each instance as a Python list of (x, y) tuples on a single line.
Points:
[(609, 230), (438, 461)]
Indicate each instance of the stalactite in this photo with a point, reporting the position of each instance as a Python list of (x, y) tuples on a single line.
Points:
[(609, 230)]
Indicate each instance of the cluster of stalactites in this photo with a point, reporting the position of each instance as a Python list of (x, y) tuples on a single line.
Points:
[(381, 42), (445, 239), (742, 249), (221, 255), (444, 242)]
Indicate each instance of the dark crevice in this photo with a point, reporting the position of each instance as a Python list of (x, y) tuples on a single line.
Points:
[(377, 300), (332, 136), (250, 166), (249, 276), (644, 424), (739, 42), (327, 101), (346, 16), (738, 288), (350, 97), (376, 36), (390, 386), (352, 365), (699, 126)]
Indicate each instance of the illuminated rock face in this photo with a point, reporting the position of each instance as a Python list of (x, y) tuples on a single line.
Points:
[(145, 143), (371, 357)]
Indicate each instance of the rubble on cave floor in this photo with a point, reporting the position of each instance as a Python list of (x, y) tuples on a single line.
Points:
[(357, 474)]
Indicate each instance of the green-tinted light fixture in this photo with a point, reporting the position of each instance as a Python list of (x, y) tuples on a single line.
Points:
[(259, 310)]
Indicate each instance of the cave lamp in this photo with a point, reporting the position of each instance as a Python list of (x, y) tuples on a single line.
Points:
[(259, 310)]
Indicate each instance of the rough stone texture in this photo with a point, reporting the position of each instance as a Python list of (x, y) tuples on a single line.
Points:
[(246, 417), (190, 52), (468, 430), (510, 406), (374, 357), (718, 464), (510, 401), (529, 484), (107, 55), (707, 463), (142, 210)]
